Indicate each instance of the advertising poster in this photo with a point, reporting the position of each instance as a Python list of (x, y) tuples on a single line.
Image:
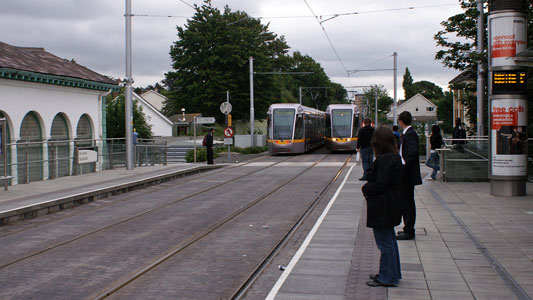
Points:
[(509, 137), (507, 38)]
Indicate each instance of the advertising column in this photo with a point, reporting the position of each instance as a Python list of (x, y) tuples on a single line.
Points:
[(507, 36)]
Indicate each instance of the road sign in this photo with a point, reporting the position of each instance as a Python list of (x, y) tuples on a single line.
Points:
[(228, 132), (205, 120), (229, 120), (228, 141), (225, 108)]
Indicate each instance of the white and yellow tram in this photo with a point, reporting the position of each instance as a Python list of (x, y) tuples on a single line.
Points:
[(294, 128), (342, 126)]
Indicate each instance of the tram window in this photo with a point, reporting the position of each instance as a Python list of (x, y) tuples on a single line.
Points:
[(299, 128), (342, 122), (356, 126), (283, 119)]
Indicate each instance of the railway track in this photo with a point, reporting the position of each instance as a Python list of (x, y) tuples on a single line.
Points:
[(190, 237)]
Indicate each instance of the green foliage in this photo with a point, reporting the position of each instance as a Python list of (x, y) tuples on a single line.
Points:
[(407, 85), (428, 89), (384, 101), (211, 56), (249, 150), (115, 118), (419, 128), (445, 112)]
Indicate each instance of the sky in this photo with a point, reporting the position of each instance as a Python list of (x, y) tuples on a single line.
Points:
[(92, 32)]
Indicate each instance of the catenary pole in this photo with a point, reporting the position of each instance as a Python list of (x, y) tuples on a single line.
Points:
[(480, 89), (129, 104), (252, 101)]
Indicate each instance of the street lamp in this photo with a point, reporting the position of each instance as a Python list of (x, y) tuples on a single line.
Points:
[(183, 114)]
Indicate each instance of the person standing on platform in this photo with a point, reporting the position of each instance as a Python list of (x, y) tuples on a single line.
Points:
[(436, 142), (209, 145), (363, 146), (411, 162), (459, 132), (396, 135), (383, 193)]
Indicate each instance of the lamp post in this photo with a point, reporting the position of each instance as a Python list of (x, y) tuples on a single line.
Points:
[(183, 114)]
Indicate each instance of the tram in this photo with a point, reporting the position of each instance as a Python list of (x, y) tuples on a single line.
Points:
[(294, 128), (342, 126)]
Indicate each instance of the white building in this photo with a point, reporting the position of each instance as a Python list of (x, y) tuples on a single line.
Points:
[(420, 107), (155, 99), (52, 106), (161, 125)]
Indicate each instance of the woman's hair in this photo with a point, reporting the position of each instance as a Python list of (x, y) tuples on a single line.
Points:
[(383, 141), (435, 130)]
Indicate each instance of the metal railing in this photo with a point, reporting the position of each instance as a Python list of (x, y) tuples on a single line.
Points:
[(29, 161)]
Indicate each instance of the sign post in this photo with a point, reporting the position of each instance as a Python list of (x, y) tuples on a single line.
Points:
[(507, 35), (225, 108)]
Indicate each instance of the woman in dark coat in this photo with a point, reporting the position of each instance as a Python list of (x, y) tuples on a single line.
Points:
[(383, 194)]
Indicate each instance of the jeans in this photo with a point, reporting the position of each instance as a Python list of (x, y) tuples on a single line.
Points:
[(389, 262), (367, 156), (434, 163)]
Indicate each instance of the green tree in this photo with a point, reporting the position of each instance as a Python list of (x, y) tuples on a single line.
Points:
[(427, 89), (407, 85), (384, 101), (116, 122), (210, 57), (445, 112)]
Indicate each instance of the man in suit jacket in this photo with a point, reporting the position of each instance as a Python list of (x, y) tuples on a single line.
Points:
[(411, 162)]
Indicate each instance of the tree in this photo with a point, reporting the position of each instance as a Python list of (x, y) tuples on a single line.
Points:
[(407, 85), (384, 101), (445, 112), (115, 118), (210, 57), (427, 89)]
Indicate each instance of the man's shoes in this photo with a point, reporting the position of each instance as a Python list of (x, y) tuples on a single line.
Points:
[(374, 276), (375, 283), (402, 236), (362, 178)]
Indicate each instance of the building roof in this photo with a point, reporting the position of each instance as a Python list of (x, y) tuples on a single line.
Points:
[(463, 77), (38, 60)]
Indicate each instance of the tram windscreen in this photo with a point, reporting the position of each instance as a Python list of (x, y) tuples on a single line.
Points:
[(341, 120), (283, 119)]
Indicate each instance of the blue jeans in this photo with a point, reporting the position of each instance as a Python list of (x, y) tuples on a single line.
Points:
[(389, 262), (434, 163), (367, 157)]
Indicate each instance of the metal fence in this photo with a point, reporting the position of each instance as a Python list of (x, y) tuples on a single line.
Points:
[(34, 161), (470, 161)]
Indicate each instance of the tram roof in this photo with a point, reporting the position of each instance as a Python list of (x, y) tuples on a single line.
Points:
[(296, 106), (341, 106)]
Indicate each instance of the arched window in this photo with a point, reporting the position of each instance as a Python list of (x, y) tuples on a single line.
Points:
[(84, 135), (7, 140), (58, 148), (29, 150)]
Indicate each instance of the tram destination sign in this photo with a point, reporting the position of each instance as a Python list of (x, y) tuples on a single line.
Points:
[(509, 82)]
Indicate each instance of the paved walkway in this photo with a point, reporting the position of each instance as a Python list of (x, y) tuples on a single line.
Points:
[(469, 244)]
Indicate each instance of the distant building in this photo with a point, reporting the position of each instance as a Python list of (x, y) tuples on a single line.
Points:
[(155, 99), (182, 123), (422, 110), (161, 125), (459, 89), (52, 106)]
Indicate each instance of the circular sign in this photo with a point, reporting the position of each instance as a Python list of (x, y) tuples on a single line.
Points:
[(225, 108), (228, 132)]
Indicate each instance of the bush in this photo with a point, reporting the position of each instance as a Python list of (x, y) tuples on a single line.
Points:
[(250, 150), (201, 154)]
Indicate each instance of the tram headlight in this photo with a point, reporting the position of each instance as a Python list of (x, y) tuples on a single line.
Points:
[(334, 139)]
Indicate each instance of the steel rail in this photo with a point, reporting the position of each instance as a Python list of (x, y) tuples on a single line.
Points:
[(198, 236), (38, 252), (241, 291)]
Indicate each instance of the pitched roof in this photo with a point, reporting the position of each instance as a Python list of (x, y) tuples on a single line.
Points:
[(39, 60)]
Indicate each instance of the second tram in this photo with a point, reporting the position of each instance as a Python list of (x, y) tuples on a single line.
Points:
[(342, 126), (294, 128)]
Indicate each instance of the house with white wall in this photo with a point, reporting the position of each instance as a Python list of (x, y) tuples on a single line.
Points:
[(155, 99), (422, 110), (52, 106), (161, 125)]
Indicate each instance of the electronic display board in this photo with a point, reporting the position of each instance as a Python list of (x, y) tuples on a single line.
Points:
[(509, 82)]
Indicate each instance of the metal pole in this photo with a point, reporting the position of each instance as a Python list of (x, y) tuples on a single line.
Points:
[(300, 95), (480, 82), (194, 130), (252, 100), (395, 108), (227, 125), (376, 108), (129, 102)]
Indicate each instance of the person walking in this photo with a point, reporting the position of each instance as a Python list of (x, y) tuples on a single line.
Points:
[(364, 136), (209, 145), (383, 193), (435, 141), (396, 135), (411, 162)]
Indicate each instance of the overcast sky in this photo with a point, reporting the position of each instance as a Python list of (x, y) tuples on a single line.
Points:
[(92, 33)]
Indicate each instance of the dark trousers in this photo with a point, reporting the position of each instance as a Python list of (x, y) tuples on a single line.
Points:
[(209, 155), (409, 213), (389, 262), (367, 156)]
